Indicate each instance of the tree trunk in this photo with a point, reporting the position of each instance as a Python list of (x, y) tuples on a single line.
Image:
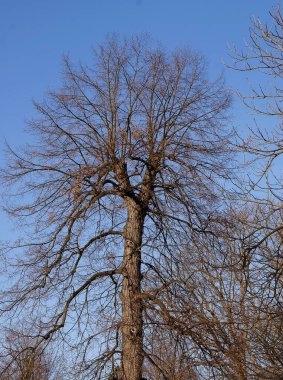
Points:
[(132, 322)]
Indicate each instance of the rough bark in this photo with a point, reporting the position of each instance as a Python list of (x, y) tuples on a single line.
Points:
[(132, 323)]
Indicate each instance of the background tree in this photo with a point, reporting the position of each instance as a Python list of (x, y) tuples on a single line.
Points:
[(220, 311), (263, 55), (128, 162), (22, 360)]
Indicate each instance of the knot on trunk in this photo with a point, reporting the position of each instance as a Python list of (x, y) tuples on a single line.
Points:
[(130, 244)]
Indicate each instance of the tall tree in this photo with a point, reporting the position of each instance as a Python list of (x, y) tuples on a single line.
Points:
[(125, 165), (263, 56)]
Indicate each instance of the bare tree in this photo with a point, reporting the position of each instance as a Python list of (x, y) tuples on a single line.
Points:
[(205, 303), (264, 55), (22, 360), (128, 161), (222, 304)]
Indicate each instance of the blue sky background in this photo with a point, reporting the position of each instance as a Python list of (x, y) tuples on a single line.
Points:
[(35, 34)]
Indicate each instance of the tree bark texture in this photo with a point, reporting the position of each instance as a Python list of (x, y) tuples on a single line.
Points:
[(132, 323)]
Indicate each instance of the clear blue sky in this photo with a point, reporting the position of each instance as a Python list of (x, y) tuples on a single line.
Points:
[(34, 35)]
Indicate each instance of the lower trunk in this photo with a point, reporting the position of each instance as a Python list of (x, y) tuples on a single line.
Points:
[(132, 334)]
